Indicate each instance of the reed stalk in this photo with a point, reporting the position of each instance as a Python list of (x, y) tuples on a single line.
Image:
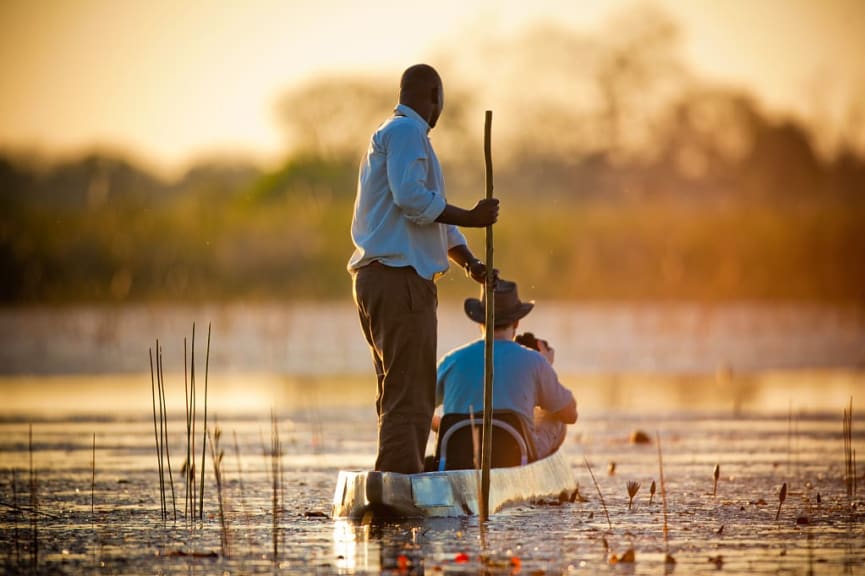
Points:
[(239, 471), (275, 463), (34, 508), (663, 495), (188, 504), (849, 453), (598, 488), (157, 436), (192, 402), (15, 513), (204, 437), (93, 481), (243, 509), (216, 456), (165, 442)]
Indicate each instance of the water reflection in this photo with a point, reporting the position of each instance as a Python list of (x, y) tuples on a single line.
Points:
[(404, 545), (352, 548), (376, 546)]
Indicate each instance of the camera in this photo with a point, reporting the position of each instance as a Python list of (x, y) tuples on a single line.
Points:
[(529, 340)]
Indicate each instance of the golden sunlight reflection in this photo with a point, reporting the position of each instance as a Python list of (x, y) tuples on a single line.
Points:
[(353, 548), (251, 395)]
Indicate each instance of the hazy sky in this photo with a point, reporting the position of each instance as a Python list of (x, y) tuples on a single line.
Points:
[(171, 81)]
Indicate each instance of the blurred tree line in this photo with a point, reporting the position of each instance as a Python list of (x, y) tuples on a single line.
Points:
[(621, 177)]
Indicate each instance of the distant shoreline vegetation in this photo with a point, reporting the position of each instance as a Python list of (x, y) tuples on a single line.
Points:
[(715, 201), (99, 229)]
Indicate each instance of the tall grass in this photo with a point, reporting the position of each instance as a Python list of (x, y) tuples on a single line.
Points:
[(15, 512), (193, 506), (239, 471), (157, 436), (187, 470), (34, 507), (204, 437), (669, 558), (192, 407), (598, 488), (243, 508), (276, 482), (163, 425), (849, 452), (93, 481), (216, 456)]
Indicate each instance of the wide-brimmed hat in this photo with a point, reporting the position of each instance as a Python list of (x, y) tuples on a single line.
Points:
[(508, 307)]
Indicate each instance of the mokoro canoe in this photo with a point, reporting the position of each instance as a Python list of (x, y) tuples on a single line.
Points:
[(361, 493)]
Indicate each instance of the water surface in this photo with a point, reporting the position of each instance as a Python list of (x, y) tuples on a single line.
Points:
[(732, 527)]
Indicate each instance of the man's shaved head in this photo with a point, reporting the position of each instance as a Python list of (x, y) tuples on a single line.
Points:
[(420, 88), (419, 78)]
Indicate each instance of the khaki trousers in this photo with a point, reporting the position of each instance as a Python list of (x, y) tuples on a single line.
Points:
[(397, 311)]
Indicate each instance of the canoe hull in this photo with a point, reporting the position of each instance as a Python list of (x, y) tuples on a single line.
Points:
[(361, 493)]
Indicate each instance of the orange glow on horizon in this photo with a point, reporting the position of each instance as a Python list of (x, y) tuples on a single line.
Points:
[(174, 81)]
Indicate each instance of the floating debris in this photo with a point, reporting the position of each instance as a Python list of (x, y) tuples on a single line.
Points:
[(718, 561), (716, 474), (781, 498), (633, 488), (639, 437), (629, 557)]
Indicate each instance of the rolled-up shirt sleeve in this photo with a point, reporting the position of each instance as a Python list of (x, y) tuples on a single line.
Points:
[(407, 169)]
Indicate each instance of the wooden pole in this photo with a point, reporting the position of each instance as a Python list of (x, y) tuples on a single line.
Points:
[(489, 329)]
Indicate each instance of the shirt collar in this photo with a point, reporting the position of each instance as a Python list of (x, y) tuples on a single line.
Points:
[(408, 112)]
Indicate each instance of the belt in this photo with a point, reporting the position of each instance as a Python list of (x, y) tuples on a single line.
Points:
[(378, 264)]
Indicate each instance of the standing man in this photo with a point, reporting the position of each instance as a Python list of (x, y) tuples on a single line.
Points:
[(404, 231)]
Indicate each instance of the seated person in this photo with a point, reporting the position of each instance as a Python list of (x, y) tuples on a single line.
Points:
[(523, 378)]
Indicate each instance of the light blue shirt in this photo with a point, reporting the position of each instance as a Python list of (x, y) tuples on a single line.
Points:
[(400, 193), (522, 379)]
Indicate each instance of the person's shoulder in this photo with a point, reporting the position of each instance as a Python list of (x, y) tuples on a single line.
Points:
[(533, 357), (515, 347), (401, 127), (462, 350)]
